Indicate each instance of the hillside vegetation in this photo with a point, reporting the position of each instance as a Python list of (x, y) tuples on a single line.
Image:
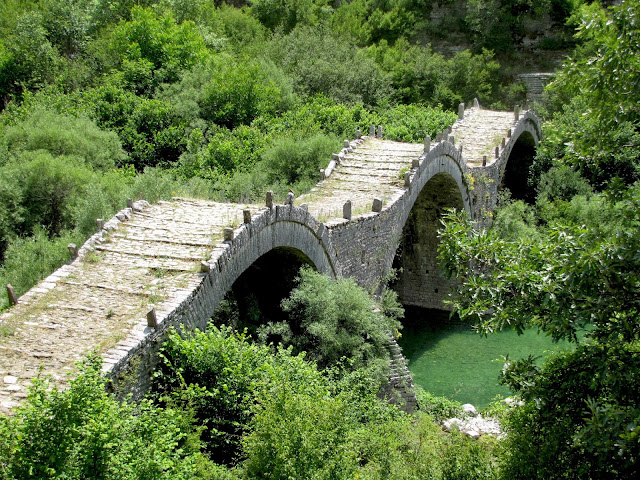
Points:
[(108, 99)]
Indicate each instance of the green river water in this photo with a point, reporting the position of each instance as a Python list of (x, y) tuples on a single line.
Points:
[(449, 359)]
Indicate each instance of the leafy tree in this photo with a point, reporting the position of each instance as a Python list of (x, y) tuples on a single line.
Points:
[(331, 321), (151, 49), (68, 24), (595, 117), (498, 24), (334, 69), (27, 58), (419, 75), (580, 418), (150, 130), (286, 14)]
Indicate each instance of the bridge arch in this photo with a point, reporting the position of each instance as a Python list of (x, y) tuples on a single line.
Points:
[(273, 240), (518, 156), (439, 184)]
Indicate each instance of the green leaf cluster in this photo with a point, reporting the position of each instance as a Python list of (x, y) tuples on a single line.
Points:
[(83, 432)]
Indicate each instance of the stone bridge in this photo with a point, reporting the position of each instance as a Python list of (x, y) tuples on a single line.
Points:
[(152, 267)]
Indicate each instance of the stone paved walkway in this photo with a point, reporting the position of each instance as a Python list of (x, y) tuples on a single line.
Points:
[(151, 257), (480, 132)]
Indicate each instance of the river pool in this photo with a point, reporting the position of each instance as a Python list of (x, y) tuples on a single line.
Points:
[(449, 359)]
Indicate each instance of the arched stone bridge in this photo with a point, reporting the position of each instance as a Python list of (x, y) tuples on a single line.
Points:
[(377, 207)]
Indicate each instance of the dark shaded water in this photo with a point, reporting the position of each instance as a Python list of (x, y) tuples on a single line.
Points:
[(449, 359)]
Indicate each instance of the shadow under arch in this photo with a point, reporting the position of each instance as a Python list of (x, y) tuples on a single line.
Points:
[(255, 297), (264, 258), (515, 173), (419, 282)]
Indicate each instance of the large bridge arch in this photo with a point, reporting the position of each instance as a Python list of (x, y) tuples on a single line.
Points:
[(439, 185)]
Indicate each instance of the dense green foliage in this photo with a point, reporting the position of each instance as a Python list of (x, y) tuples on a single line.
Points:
[(227, 100), (83, 432), (593, 101), (275, 415), (568, 265), (332, 322)]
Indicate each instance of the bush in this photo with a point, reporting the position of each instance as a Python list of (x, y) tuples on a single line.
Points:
[(49, 187), (334, 69), (150, 130), (412, 123), (291, 159), (332, 321), (64, 135), (221, 375), (514, 220), (418, 75), (82, 432), (440, 408)]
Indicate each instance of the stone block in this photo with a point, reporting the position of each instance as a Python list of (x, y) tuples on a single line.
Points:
[(427, 144), (246, 215), (73, 251), (11, 293), (377, 205), (380, 131), (346, 210), (152, 318), (461, 111), (269, 199), (407, 179), (99, 224), (289, 199), (372, 131), (228, 234)]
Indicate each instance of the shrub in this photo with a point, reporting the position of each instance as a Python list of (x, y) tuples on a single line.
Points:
[(412, 123), (83, 432), (50, 188), (439, 408), (222, 375), (292, 159), (331, 321), (64, 135), (334, 69)]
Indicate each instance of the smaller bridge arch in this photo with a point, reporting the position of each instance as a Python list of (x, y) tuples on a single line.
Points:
[(517, 157), (286, 230)]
